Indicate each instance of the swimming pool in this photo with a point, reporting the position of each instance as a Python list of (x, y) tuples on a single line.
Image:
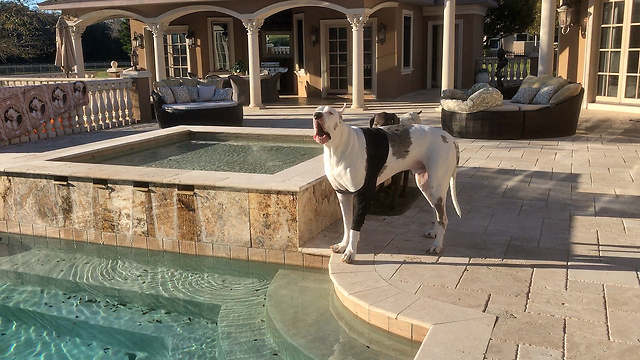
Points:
[(67, 300)]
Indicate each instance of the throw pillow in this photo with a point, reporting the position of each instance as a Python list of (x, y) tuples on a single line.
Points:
[(189, 81), (454, 94), (205, 93), (545, 94), (525, 95), (181, 93), (166, 94), (565, 93), (548, 80), (477, 87), (223, 94), (193, 93), (529, 81)]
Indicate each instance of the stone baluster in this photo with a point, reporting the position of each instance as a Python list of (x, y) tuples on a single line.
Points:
[(73, 121), (117, 86), (102, 107), (95, 109), (66, 123), (129, 115), (109, 104)]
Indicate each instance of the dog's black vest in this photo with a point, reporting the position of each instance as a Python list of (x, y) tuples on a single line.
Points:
[(377, 150)]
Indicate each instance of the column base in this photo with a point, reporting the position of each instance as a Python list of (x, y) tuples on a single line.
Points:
[(359, 107), (259, 106)]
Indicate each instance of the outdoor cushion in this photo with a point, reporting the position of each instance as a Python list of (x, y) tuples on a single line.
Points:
[(172, 82), (454, 94), (189, 82), (525, 95), (565, 93), (530, 107), (217, 82), (205, 93), (529, 81), (166, 94), (200, 105), (504, 108), (476, 87), (193, 93), (545, 94), (223, 94), (547, 80), (481, 100), (159, 84), (181, 94)]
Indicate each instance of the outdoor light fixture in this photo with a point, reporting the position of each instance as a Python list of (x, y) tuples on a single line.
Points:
[(568, 15), (191, 39), (382, 34), (314, 35), (137, 42)]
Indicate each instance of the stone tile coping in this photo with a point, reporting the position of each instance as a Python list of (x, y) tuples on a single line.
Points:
[(293, 179), (447, 331)]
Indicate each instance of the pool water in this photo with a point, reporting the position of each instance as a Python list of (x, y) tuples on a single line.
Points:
[(66, 300), (243, 155)]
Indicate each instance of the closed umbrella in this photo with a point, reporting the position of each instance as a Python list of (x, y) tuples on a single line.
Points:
[(65, 54)]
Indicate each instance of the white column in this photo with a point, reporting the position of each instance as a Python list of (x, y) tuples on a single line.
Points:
[(357, 88), (448, 44), (76, 33), (253, 27), (547, 32), (158, 49)]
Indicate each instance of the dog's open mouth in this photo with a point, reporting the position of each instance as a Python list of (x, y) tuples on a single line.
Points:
[(321, 136)]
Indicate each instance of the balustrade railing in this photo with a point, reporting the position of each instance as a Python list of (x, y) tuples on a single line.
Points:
[(110, 106), (516, 70)]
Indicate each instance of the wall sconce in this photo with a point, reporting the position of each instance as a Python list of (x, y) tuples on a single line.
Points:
[(568, 15), (137, 42), (191, 39), (382, 34), (314, 35)]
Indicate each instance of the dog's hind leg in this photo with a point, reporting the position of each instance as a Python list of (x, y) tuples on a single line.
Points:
[(436, 195), (346, 206)]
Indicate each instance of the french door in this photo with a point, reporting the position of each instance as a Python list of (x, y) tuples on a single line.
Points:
[(619, 53), (338, 57)]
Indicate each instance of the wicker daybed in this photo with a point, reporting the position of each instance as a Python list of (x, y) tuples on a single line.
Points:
[(200, 112), (517, 121)]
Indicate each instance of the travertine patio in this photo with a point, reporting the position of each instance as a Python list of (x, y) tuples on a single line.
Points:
[(542, 265)]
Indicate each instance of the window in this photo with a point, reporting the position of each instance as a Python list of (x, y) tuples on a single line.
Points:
[(176, 57), (407, 41), (221, 44)]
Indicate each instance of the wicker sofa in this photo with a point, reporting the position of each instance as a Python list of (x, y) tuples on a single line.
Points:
[(208, 112), (519, 121)]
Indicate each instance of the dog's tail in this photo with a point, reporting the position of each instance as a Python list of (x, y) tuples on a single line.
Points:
[(454, 195)]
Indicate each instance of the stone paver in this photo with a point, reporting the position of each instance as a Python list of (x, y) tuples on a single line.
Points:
[(549, 241)]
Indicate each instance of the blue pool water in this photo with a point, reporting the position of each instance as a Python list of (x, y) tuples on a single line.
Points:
[(66, 300), (217, 153)]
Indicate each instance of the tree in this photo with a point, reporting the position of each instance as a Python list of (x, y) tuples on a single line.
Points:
[(511, 17), (100, 42), (26, 35)]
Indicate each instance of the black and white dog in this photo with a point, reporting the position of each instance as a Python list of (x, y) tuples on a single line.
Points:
[(357, 159)]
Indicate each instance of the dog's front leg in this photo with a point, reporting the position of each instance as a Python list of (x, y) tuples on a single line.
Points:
[(346, 206)]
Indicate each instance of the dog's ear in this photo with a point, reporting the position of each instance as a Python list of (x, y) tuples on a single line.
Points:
[(396, 119), (419, 112), (342, 110), (371, 121)]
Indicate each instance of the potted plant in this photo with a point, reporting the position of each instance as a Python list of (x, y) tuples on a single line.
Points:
[(482, 75), (239, 68)]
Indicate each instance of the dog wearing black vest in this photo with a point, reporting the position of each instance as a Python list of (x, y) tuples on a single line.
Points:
[(356, 160)]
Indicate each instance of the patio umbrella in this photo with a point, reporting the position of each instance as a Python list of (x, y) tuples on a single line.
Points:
[(65, 54)]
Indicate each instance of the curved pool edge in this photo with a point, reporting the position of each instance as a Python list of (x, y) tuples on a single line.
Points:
[(446, 331)]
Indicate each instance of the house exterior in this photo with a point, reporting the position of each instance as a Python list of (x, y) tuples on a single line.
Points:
[(601, 50), (381, 49)]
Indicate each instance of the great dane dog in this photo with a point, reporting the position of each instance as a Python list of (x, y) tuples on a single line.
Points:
[(357, 159)]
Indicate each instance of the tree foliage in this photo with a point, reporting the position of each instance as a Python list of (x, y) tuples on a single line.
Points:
[(511, 17), (100, 42), (26, 34)]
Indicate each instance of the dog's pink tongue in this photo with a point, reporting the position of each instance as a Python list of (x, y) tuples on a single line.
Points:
[(320, 139)]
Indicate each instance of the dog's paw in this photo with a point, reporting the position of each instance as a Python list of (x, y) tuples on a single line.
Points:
[(348, 257), (338, 248), (431, 234), (434, 250)]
